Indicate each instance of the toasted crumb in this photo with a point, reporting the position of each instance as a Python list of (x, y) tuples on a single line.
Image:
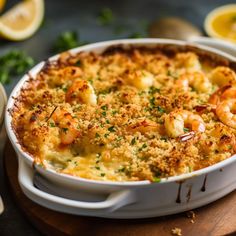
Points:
[(191, 215), (176, 231)]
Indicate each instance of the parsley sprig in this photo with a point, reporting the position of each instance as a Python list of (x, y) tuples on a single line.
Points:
[(14, 62), (67, 40)]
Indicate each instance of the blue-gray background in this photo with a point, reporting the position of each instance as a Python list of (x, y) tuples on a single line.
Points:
[(81, 16)]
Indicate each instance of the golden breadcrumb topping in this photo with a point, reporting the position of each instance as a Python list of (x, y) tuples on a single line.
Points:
[(128, 115)]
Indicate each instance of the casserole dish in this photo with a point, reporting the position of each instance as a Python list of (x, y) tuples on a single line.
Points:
[(3, 100), (134, 199)]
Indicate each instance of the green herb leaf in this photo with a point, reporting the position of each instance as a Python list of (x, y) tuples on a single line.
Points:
[(104, 107), (121, 169), (112, 129), (186, 129), (156, 179), (65, 129), (152, 101), (104, 113), (52, 124), (133, 141), (105, 16), (103, 174), (153, 90), (160, 109), (66, 41), (13, 63), (164, 138)]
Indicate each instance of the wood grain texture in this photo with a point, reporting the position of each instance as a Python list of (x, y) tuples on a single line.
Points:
[(218, 218)]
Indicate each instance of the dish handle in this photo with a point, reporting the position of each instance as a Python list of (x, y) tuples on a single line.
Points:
[(113, 202)]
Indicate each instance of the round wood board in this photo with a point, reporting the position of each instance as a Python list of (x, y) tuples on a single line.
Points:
[(217, 218)]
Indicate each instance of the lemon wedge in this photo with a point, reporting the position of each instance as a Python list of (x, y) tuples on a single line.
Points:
[(2, 4), (22, 20), (221, 23)]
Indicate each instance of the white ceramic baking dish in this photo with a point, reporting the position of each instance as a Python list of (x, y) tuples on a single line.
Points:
[(121, 199), (3, 100)]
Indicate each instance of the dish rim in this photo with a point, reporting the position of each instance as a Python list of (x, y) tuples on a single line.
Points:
[(103, 46), (3, 100)]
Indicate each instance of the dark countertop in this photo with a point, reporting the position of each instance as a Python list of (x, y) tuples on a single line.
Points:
[(81, 16)]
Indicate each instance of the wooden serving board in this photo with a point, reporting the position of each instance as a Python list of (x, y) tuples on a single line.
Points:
[(218, 218)]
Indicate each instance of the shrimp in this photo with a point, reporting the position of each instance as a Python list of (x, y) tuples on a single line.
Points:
[(229, 94), (140, 79), (197, 80), (67, 124), (81, 91), (226, 112), (227, 140), (145, 126), (177, 121), (188, 60), (223, 93), (222, 76)]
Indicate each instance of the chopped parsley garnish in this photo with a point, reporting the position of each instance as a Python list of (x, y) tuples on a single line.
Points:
[(122, 169), (67, 40), (186, 129), (152, 102), (160, 109), (97, 135), (106, 135), (103, 174), (114, 112), (104, 113), (133, 141), (163, 138), (78, 63), (97, 167), (153, 106), (153, 90), (52, 124), (143, 146), (156, 179), (112, 129), (64, 130), (14, 62), (105, 16), (104, 107), (64, 88)]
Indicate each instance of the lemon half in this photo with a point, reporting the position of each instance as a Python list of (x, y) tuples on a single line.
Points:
[(221, 23), (2, 4), (22, 20)]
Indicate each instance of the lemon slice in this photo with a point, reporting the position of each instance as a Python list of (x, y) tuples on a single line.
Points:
[(221, 23), (2, 4), (22, 20)]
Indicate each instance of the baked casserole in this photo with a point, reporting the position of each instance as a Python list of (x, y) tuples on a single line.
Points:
[(129, 114)]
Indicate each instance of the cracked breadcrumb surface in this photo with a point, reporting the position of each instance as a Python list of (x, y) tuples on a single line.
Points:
[(105, 116)]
